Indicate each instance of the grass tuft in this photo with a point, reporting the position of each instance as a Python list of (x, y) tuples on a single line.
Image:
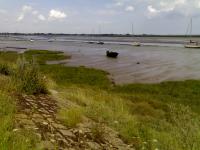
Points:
[(71, 117), (28, 78)]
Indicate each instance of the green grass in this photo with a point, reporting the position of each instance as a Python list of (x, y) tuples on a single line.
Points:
[(148, 116), (23, 140), (42, 56), (71, 116), (180, 92), (28, 79), (8, 56), (66, 76)]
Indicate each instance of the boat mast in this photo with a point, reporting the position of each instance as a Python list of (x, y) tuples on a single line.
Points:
[(132, 29), (191, 24)]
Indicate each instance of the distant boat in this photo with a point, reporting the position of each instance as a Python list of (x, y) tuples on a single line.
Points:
[(191, 43), (100, 42), (112, 54), (90, 42), (136, 44), (31, 40)]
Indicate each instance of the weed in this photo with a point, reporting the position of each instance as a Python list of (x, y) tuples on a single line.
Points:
[(28, 78), (70, 117)]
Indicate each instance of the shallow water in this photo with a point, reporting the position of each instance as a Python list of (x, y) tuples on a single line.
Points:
[(158, 61)]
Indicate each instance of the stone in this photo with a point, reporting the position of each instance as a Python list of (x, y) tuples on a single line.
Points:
[(21, 116), (58, 126), (52, 140), (15, 130), (27, 121), (45, 123), (67, 133), (93, 145), (37, 116), (46, 145), (80, 131)]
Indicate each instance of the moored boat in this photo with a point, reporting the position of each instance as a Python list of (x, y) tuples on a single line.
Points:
[(192, 44), (136, 44), (100, 42), (112, 54)]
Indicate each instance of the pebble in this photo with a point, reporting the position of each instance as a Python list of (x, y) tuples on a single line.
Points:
[(45, 123), (15, 130), (53, 141)]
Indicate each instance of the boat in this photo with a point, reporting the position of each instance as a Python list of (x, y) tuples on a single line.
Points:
[(136, 44), (90, 42), (112, 54), (191, 43), (100, 42)]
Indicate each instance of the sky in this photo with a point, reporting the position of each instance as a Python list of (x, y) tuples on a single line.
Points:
[(100, 16)]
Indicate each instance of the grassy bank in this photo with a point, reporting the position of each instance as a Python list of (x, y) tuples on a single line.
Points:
[(9, 137), (148, 116)]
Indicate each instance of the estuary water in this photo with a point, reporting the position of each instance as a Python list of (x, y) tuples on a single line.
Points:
[(157, 60)]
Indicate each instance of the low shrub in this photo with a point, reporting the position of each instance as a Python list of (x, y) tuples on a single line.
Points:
[(28, 78), (70, 117), (5, 69)]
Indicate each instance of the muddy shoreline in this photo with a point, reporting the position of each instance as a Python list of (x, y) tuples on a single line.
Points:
[(157, 63)]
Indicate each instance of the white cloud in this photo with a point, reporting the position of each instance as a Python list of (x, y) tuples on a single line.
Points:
[(106, 12), (56, 14), (104, 22), (26, 8), (129, 8), (2, 11), (152, 10), (35, 12), (41, 17), (119, 4), (187, 8), (20, 18)]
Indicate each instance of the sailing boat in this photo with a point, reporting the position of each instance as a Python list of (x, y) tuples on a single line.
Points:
[(134, 43), (191, 43), (100, 42)]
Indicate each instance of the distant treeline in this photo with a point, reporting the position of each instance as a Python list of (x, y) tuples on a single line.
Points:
[(97, 35)]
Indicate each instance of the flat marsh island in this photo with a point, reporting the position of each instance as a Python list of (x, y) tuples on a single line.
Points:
[(53, 106)]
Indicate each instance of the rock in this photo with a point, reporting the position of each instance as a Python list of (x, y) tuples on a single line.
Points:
[(58, 126), (93, 145), (53, 141), (80, 132), (46, 145), (45, 123), (67, 133), (37, 116), (116, 122), (15, 130), (21, 116)]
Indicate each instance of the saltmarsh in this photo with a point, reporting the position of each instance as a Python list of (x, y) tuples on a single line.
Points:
[(148, 116)]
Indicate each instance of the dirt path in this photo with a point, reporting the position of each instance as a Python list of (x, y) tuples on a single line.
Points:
[(38, 114)]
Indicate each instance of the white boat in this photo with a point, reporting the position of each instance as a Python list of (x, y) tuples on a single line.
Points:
[(136, 44), (191, 43)]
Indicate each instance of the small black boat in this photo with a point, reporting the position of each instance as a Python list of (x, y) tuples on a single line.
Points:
[(100, 42), (112, 54)]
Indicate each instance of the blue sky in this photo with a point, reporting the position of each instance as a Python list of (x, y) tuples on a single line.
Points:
[(89, 16)]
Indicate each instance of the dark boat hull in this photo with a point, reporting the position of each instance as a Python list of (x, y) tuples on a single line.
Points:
[(112, 54)]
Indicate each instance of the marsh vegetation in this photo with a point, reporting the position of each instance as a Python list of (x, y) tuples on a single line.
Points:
[(147, 116)]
